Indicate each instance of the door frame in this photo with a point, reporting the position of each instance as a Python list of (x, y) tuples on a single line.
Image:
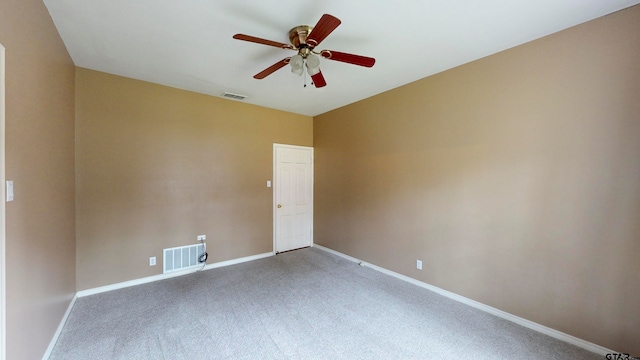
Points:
[(3, 218), (274, 186)]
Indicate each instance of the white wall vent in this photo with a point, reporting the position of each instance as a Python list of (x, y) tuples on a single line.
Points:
[(234, 96), (182, 257)]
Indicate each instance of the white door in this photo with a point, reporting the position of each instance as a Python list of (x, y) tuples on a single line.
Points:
[(292, 197)]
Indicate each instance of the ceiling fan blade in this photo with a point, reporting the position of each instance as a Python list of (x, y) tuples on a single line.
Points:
[(271, 69), (323, 28), (318, 80), (348, 58), (262, 41)]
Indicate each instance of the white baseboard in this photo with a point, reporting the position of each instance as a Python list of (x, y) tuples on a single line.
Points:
[(54, 340), (486, 308), (149, 279)]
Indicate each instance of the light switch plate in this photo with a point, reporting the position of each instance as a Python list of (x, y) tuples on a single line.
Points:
[(268, 183), (9, 190)]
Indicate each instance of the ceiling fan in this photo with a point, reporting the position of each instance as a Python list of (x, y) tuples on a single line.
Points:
[(304, 39)]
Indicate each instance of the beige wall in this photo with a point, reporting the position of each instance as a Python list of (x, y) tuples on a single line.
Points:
[(40, 160), (515, 179), (157, 166)]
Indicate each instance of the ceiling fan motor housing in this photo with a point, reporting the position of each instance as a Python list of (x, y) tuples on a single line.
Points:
[(298, 37)]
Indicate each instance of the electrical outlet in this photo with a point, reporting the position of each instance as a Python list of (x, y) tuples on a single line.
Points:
[(152, 261), (419, 264), (202, 237)]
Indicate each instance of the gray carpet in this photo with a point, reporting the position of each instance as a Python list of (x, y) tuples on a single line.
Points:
[(305, 304)]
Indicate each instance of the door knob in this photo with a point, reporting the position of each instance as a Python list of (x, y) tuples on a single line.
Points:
[(279, 206)]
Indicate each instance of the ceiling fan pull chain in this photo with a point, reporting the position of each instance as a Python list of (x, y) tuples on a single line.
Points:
[(304, 72)]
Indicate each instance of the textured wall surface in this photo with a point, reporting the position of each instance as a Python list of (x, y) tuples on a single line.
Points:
[(156, 166), (515, 179), (39, 145)]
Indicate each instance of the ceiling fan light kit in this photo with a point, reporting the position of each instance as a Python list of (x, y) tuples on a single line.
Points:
[(304, 39), (313, 64), (296, 62)]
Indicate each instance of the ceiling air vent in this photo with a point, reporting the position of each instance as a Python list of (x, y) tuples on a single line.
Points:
[(234, 96)]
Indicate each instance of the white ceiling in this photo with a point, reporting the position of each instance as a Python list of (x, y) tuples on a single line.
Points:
[(188, 44)]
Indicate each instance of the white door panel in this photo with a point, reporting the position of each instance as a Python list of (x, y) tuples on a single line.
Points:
[(293, 197)]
